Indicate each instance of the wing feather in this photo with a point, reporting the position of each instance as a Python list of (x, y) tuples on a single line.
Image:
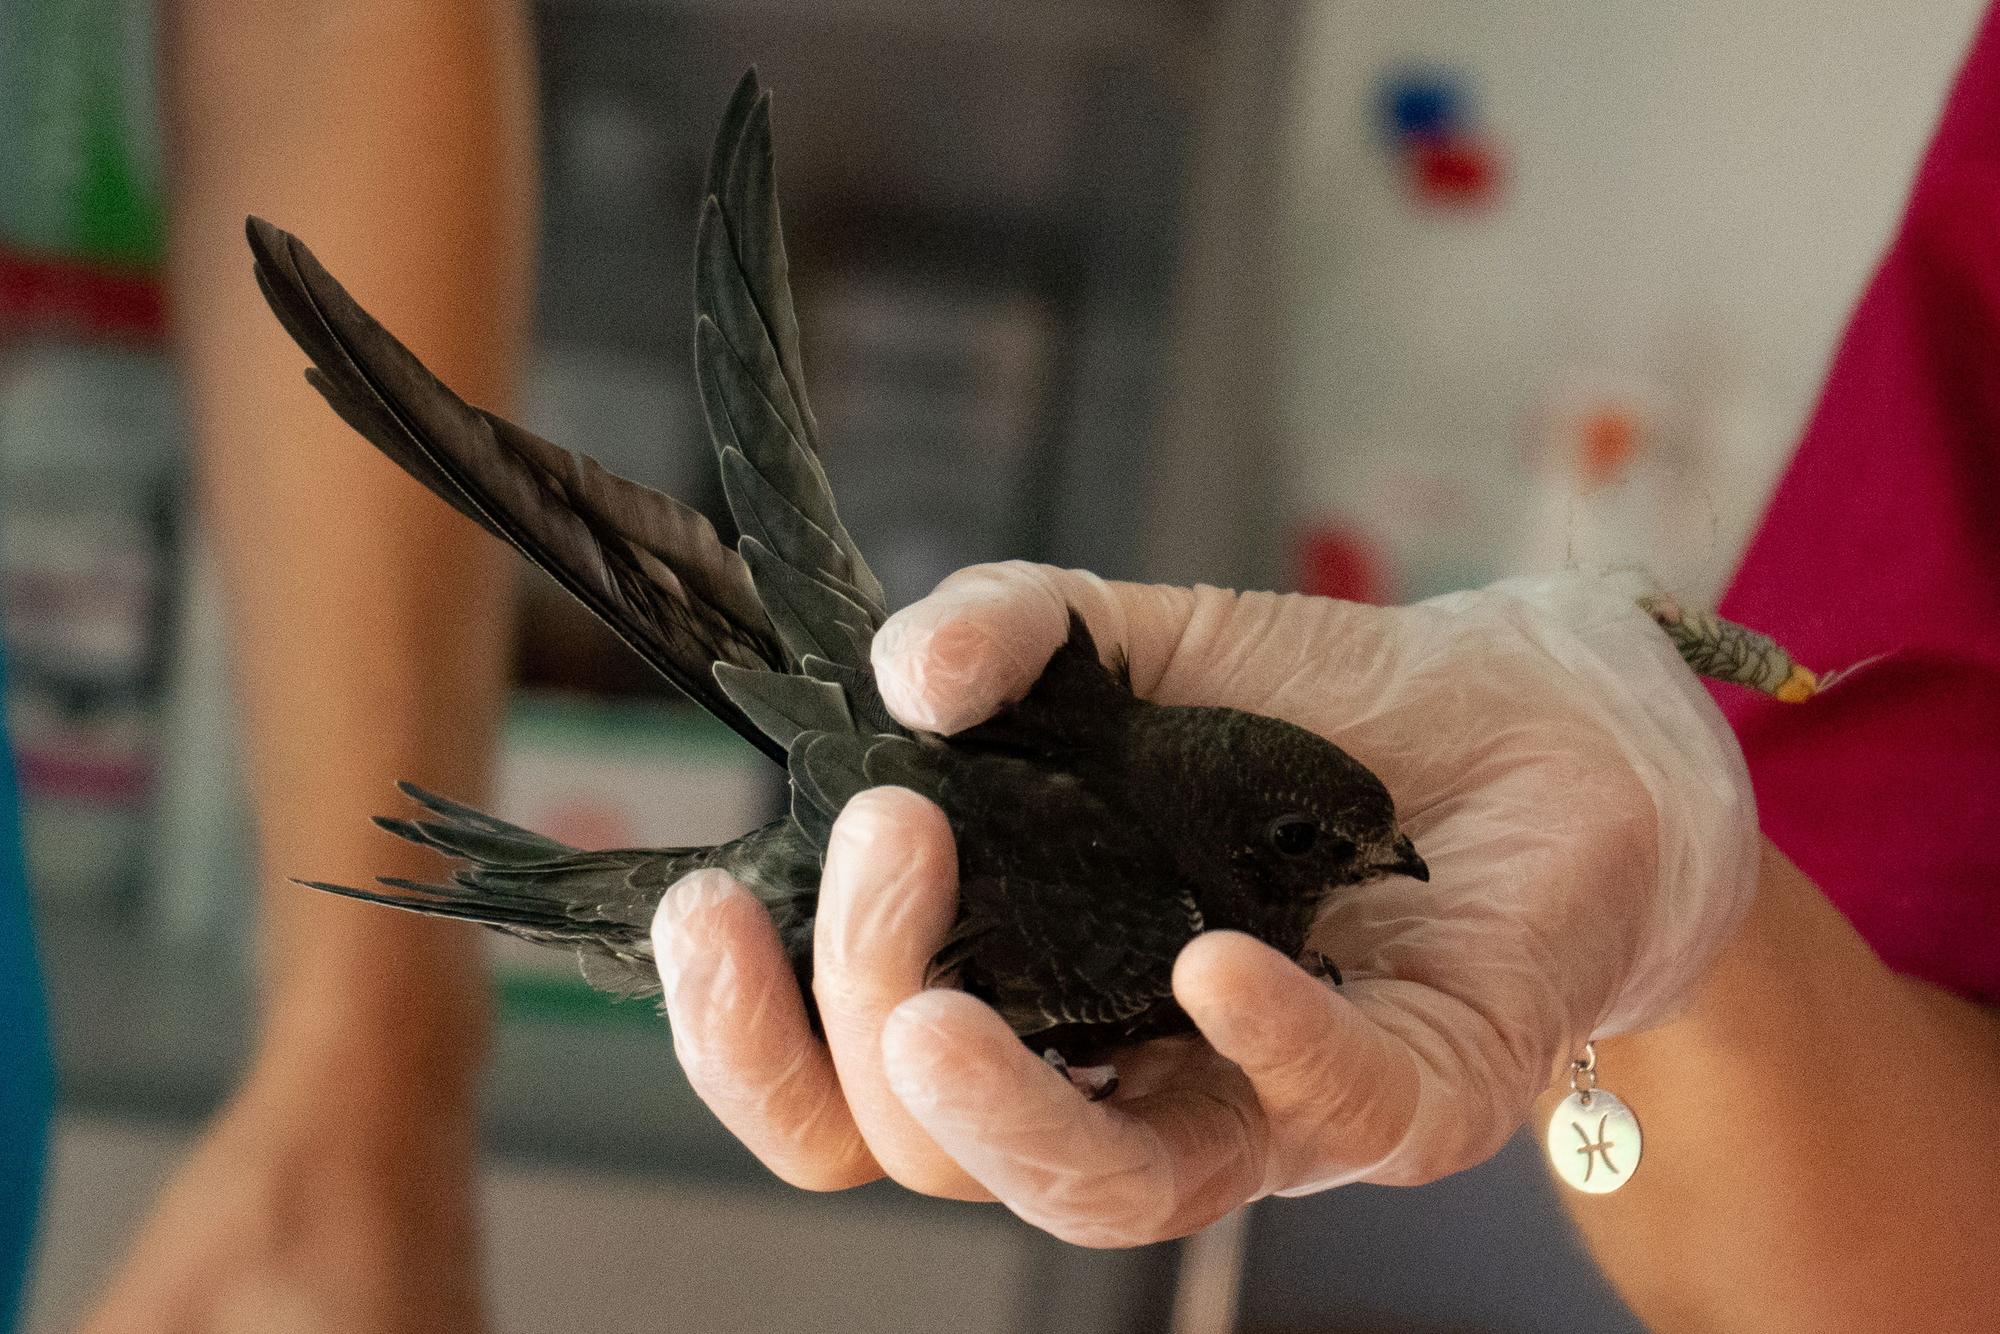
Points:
[(753, 385), (647, 565)]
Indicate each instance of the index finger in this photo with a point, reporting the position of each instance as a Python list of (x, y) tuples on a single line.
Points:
[(983, 636), (887, 899), (740, 1029)]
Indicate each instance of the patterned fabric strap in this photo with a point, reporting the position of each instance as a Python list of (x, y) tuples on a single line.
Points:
[(1722, 650)]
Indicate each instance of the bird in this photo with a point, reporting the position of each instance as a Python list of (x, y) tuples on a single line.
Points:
[(1096, 832)]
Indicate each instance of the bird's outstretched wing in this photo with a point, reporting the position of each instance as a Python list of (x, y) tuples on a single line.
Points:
[(773, 640), (753, 390), (649, 566), (823, 600)]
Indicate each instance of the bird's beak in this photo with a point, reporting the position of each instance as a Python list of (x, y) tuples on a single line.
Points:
[(1403, 860)]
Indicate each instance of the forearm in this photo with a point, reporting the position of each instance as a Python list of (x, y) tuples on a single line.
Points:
[(1820, 1141), (369, 623)]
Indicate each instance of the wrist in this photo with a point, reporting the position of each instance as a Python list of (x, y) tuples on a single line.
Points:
[(1730, 1005), (402, 1002), (422, 1048)]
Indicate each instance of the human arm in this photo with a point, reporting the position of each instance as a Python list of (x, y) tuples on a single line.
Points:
[(1821, 1140), (399, 139), (1823, 1130)]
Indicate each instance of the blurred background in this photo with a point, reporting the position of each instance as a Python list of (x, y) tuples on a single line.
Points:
[(1373, 299)]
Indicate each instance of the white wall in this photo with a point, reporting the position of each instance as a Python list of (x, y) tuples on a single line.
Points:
[(1696, 193)]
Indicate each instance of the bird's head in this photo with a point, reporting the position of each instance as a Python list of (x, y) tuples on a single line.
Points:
[(1269, 818)]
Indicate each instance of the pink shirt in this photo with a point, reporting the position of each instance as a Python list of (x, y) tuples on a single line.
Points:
[(1884, 538)]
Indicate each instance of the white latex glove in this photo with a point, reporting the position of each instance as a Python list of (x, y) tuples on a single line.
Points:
[(1583, 808)]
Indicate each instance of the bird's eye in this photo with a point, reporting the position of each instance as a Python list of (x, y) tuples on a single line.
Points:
[(1294, 835)]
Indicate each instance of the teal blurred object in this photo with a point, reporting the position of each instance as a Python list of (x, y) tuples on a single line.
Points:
[(28, 1087), (79, 163), (79, 147)]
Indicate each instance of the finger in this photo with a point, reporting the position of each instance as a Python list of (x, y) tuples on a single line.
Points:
[(978, 641), (1361, 1089), (1341, 1093), (740, 1030), (887, 899), (985, 634), (1117, 1173), (983, 637)]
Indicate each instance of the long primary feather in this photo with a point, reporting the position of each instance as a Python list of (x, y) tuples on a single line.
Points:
[(649, 566), (772, 637), (753, 385), (824, 602)]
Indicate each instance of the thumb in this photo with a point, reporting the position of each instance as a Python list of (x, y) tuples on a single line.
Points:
[(976, 643), (1341, 1093), (1388, 1081)]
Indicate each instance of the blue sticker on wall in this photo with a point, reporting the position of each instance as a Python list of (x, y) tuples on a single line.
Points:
[(1424, 104)]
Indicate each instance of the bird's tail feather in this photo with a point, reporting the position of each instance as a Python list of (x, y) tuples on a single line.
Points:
[(513, 880), (614, 956)]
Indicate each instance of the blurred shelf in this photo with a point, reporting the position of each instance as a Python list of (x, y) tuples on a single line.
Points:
[(1048, 28)]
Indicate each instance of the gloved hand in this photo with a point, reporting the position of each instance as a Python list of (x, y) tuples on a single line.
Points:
[(1584, 811)]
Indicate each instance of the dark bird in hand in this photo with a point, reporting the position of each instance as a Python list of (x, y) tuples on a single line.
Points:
[(1097, 833)]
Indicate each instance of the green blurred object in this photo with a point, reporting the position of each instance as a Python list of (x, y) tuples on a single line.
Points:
[(560, 1000), (79, 143)]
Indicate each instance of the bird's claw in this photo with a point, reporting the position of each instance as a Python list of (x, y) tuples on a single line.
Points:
[(1320, 966), (1094, 1082)]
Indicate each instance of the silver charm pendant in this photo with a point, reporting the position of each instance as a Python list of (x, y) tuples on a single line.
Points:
[(1593, 1141)]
